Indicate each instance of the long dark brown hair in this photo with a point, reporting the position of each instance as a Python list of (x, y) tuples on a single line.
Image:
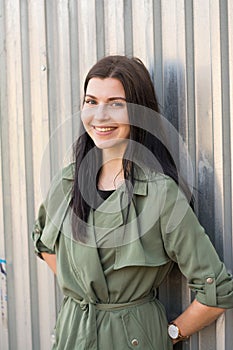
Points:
[(145, 129)]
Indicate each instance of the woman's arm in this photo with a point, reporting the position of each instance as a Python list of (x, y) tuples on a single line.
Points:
[(50, 259), (188, 245), (196, 317)]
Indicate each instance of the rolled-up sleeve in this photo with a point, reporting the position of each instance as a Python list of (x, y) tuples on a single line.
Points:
[(52, 211), (187, 244), (39, 246)]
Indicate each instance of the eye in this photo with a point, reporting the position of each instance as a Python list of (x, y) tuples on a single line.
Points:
[(117, 104), (90, 101)]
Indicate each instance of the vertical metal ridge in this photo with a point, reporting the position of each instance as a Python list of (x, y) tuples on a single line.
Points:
[(128, 27), (114, 27), (157, 73), (53, 81), (34, 310), (100, 28), (5, 198), (75, 76), (227, 156), (19, 241), (226, 125), (7, 193), (170, 61), (216, 124), (190, 78)]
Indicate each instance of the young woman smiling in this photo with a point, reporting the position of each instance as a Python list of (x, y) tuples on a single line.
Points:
[(117, 219)]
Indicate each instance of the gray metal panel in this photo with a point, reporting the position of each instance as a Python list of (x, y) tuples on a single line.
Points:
[(4, 343), (13, 170), (46, 49), (34, 310), (114, 27)]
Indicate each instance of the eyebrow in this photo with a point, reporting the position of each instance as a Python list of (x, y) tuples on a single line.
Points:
[(109, 99)]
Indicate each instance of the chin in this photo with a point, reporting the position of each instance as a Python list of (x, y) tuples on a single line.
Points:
[(110, 144), (106, 144)]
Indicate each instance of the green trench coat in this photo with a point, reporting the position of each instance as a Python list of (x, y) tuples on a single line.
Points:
[(109, 283)]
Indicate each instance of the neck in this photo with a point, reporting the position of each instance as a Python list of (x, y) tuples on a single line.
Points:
[(111, 167), (114, 153), (112, 159), (112, 174)]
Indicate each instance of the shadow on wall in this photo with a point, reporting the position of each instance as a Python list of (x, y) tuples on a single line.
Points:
[(174, 107)]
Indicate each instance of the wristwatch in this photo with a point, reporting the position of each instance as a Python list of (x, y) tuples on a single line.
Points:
[(174, 332)]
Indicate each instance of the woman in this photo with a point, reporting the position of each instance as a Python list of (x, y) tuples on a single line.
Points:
[(115, 221)]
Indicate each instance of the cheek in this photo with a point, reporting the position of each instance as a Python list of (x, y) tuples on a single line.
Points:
[(86, 118), (126, 130), (127, 125), (123, 119)]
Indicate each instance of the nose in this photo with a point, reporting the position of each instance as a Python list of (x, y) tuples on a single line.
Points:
[(101, 112)]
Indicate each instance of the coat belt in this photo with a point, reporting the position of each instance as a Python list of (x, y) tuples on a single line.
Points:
[(117, 306), (88, 326)]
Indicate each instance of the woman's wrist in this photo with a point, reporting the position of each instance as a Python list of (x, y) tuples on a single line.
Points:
[(175, 333)]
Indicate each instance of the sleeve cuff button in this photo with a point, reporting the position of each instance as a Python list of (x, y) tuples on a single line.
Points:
[(209, 280), (134, 342)]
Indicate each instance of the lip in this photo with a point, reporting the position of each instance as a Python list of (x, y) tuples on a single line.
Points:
[(104, 129)]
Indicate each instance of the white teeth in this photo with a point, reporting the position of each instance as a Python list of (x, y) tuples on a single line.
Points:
[(103, 129)]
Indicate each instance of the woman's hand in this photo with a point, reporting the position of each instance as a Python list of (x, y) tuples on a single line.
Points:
[(50, 259), (196, 317)]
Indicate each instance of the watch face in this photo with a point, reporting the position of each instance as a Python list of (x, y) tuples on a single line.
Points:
[(173, 331)]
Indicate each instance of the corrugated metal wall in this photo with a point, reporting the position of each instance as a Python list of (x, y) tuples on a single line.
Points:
[(46, 48)]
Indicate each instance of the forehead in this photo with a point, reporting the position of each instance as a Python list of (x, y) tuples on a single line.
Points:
[(104, 88)]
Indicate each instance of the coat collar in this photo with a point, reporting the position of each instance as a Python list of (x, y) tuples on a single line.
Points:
[(109, 216), (141, 179)]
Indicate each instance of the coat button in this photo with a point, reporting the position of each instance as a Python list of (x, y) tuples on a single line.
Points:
[(134, 342), (37, 230), (209, 280)]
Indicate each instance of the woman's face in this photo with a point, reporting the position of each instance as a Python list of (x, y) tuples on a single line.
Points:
[(104, 113)]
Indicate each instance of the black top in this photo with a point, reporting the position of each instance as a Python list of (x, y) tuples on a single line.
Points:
[(105, 194)]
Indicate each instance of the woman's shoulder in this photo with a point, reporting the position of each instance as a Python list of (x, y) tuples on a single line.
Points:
[(167, 187), (68, 171), (154, 177), (65, 173), (159, 178), (62, 181)]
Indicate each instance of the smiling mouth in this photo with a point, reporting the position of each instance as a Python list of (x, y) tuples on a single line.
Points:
[(104, 129)]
